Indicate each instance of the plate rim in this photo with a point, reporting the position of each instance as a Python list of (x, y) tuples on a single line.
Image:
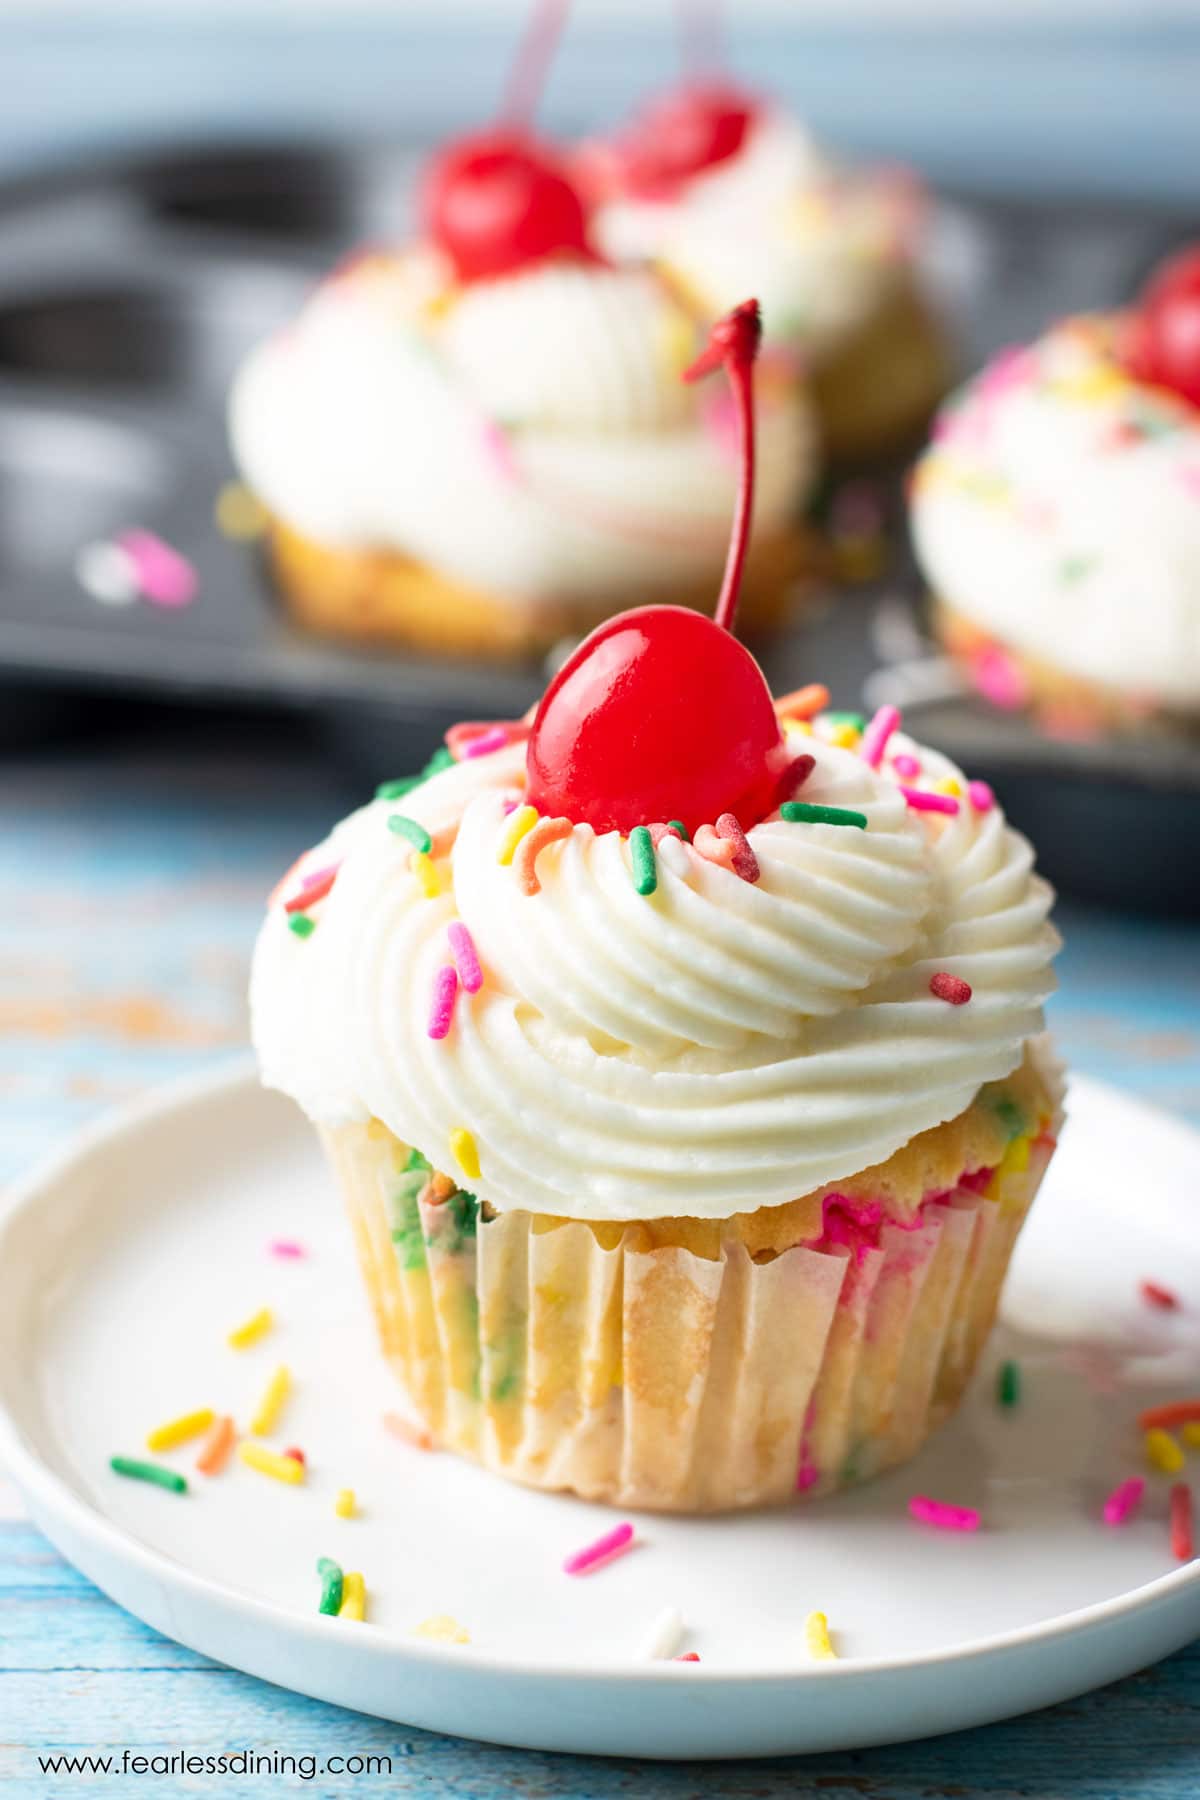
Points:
[(44, 1488)]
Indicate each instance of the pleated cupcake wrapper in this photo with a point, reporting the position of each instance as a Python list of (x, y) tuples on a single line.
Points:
[(567, 1358)]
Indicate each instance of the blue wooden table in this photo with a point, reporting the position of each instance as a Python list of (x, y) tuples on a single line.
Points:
[(132, 877)]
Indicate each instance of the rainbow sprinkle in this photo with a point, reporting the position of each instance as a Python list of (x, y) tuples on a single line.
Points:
[(181, 1430), (421, 864), (144, 1471), (271, 1405), (714, 849), (803, 812), (396, 790), (346, 1505), (164, 577), (1155, 1295), (941, 1515), (644, 867), (745, 863), (877, 734), (354, 1597), (256, 1326), (978, 793), (466, 957), (1162, 1451), (301, 925), (1008, 1384), (268, 1462), (1182, 1536), (1175, 1412), (443, 1629), (680, 829), (907, 767), (465, 1152), (1124, 1501), (530, 847), (816, 1638), (804, 702), (296, 1453), (332, 1581), (922, 800), (441, 1005), (218, 1447), (603, 1549), (287, 1248), (495, 738), (1190, 1433), (950, 988), (312, 888), (517, 824), (416, 1435), (408, 828), (664, 1637)]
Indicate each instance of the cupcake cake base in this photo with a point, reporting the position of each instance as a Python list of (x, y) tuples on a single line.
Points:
[(689, 1365), (875, 394)]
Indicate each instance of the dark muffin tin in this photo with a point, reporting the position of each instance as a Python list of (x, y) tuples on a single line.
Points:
[(130, 290)]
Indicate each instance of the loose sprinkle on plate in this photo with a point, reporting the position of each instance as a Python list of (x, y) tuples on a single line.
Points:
[(1124, 1501), (1182, 1536), (354, 1596), (443, 1629), (1175, 1412), (181, 1430), (941, 1515), (1162, 1451), (1008, 1384), (256, 1326), (332, 1581), (1155, 1295), (345, 1506), (144, 1471), (663, 1638), (816, 1638), (287, 1248), (271, 1405), (164, 577), (416, 1435), (603, 1549), (268, 1462), (218, 1447)]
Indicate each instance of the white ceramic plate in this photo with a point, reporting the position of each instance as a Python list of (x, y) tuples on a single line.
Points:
[(124, 1263)]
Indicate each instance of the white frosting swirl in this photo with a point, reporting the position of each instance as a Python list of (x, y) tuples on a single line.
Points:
[(1059, 509), (712, 1048), (528, 435)]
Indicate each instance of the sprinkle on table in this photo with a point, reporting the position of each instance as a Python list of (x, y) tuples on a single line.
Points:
[(515, 827), (238, 513), (1008, 1384), (951, 988), (1175, 1412), (1180, 1513), (643, 865), (465, 1152), (164, 576), (466, 957), (269, 1462), (941, 1515), (663, 1638), (441, 1003), (1189, 1431), (332, 1581), (181, 1430), (1157, 1296), (1162, 1451), (1124, 1501), (688, 1656), (346, 1505), (354, 1596), (804, 812), (745, 863), (602, 1550), (421, 864), (442, 1629), (408, 1433), (923, 800), (151, 1472), (288, 1249), (271, 1405), (816, 1638), (218, 1447), (300, 925), (256, 1326), (411, 829)]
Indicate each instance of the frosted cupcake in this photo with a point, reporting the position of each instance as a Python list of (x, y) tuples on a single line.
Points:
[(678, 1056), (1057, 517), (481, 443), (726, 192)]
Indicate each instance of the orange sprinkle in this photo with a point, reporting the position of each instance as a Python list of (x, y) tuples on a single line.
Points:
[(546, 831), (218, 1447), (416, 1435), (803, 702), (1165, 1418), (713, 848)]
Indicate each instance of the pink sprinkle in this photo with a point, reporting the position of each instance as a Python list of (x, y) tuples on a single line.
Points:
[(466, 957), (907, 767), (875, 737), (951, 988), (164, 576), (981, 796), (312, 888), (745, 863), (795, 775), (659, 832), (1124, 1501), (498, 450), (922, 801), (611, 1544), (487, 741), (688, 1656), (441, 1008), (1161, 1297), (1000, 680), (943, 1516), (287, 1247)]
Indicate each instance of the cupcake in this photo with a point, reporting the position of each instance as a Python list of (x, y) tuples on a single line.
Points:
[(1056, 516), (480, 443), (678, 1055), (726, 191)]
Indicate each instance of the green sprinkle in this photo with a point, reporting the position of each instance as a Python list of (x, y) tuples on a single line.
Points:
[(302, 925), (679, 828), (1074, 568), (1008, 1384), (416, 834), (441, 759), (396, 790), (645, 869), (856, 721), (1010, 1115), (417, 1161), (803, 812), (144, 1471), (331, 1585)]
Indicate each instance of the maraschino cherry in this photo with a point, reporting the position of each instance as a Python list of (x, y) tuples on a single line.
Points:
[(661, 713), (686, 131), (498, 200), (1163, 341)]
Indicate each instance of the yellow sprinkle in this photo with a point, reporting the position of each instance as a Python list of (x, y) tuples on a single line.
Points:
[(254, 1328), (279, 1468), (1162, 1452), (354, 1596), (271, 1405), (816, 1637), (1190, 1433), (345, 1506), (239, 513), (515, 827), (949, 786), (178, 1431), (465, 1152), (421, 864), (444, 1628), (844, 737), (1015, 1160), (797, 728)]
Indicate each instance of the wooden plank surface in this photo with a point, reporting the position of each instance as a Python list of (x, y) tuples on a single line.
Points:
[(131, 883)]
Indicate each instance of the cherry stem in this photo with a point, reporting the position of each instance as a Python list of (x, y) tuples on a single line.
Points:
[(734, 341), (531, 64)]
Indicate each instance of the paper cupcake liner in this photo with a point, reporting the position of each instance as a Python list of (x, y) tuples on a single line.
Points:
[(570, 1356)]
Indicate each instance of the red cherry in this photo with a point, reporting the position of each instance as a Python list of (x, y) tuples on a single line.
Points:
[(686, 131), (661, 713), (1163, 341), (499, 201)]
